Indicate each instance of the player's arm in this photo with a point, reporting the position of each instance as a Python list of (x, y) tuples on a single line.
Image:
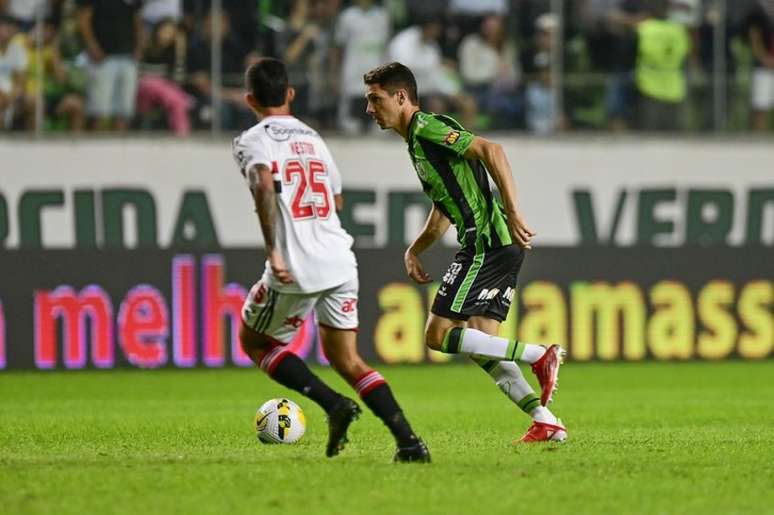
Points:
[(85, 14), (139, 35), (338, 201), (758, 46), (496, 162), (436, 226), (265, 198)]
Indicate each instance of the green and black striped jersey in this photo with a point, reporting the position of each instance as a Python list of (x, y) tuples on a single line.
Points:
[(458, 187)]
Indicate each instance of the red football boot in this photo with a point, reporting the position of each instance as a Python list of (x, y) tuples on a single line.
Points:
[(544, 432), (547, 371)]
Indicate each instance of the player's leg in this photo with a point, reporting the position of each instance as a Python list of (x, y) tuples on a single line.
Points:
[(338, 322), (509, 378), (100, 93), (341, 349), (125, 94), (479, 287), (475, 281), (264, 334), (492, 314), (450, 336), (286, 368)]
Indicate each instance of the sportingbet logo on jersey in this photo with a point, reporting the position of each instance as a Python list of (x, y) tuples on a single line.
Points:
[(451, 274)]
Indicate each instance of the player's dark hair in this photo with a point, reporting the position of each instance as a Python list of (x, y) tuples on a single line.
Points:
[(267, 81), (392, 77)]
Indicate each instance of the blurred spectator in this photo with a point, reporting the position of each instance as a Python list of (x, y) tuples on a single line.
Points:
[(157, 11), (242, 17), (25, 11), (328, 47), (685, 12), (479, 8), (418, 48), (705, 50), (465, 18), (712, 20), (306, 44), (489, 68), (662, 49), (243, 20), (194, 13), (688, 13), (235, 57), (61, 95), (542, 115), (13, 66), (112, 34), (323, 76), (362, 34), (760, 34), (162, 70), (612, 43), (296, 45), (426, 9)]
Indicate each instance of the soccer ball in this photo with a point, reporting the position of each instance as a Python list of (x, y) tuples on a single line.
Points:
[(280, 421)]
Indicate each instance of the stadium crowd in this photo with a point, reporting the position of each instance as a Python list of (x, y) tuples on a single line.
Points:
[(625, 64)]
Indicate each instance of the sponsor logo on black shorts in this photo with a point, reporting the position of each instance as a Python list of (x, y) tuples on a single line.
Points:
[(451, 274)]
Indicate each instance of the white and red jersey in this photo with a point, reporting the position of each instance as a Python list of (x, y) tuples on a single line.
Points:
[(317, 250)]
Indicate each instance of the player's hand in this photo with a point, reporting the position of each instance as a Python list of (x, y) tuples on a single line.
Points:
[(414, 268), (96, 54), (279, 268), (520, 232)]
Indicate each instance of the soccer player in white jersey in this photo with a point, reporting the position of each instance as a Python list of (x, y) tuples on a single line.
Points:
[(310, 266)]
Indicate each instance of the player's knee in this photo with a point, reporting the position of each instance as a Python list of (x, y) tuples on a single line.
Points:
[(434, 337), (253, 344)]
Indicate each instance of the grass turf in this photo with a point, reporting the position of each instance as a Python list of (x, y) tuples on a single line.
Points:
[(644, 438)]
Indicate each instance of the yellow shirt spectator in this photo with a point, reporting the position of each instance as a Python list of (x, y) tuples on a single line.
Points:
[(662, 49)]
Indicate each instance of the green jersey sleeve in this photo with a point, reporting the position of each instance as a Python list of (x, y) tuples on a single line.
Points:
[(443, 131)]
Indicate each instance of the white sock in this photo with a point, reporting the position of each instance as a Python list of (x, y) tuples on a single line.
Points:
[(511, 381), (543, 414), (532, 352), (478, 343)]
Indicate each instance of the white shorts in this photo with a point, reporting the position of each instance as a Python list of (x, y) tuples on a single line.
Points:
[(280, 315), (763, 89), (112, 88)]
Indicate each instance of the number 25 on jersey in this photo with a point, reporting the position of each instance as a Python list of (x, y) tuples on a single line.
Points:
[(301, 177)]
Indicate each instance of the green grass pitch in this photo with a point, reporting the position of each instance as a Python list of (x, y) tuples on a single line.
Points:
[(644, 438)]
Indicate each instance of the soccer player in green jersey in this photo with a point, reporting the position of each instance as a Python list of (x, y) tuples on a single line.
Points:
[(454, 167)]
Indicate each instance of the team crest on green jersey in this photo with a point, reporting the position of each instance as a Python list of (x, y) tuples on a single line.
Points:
[(452, 137)]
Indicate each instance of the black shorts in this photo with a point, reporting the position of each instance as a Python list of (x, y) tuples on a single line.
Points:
[(479, 284)]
